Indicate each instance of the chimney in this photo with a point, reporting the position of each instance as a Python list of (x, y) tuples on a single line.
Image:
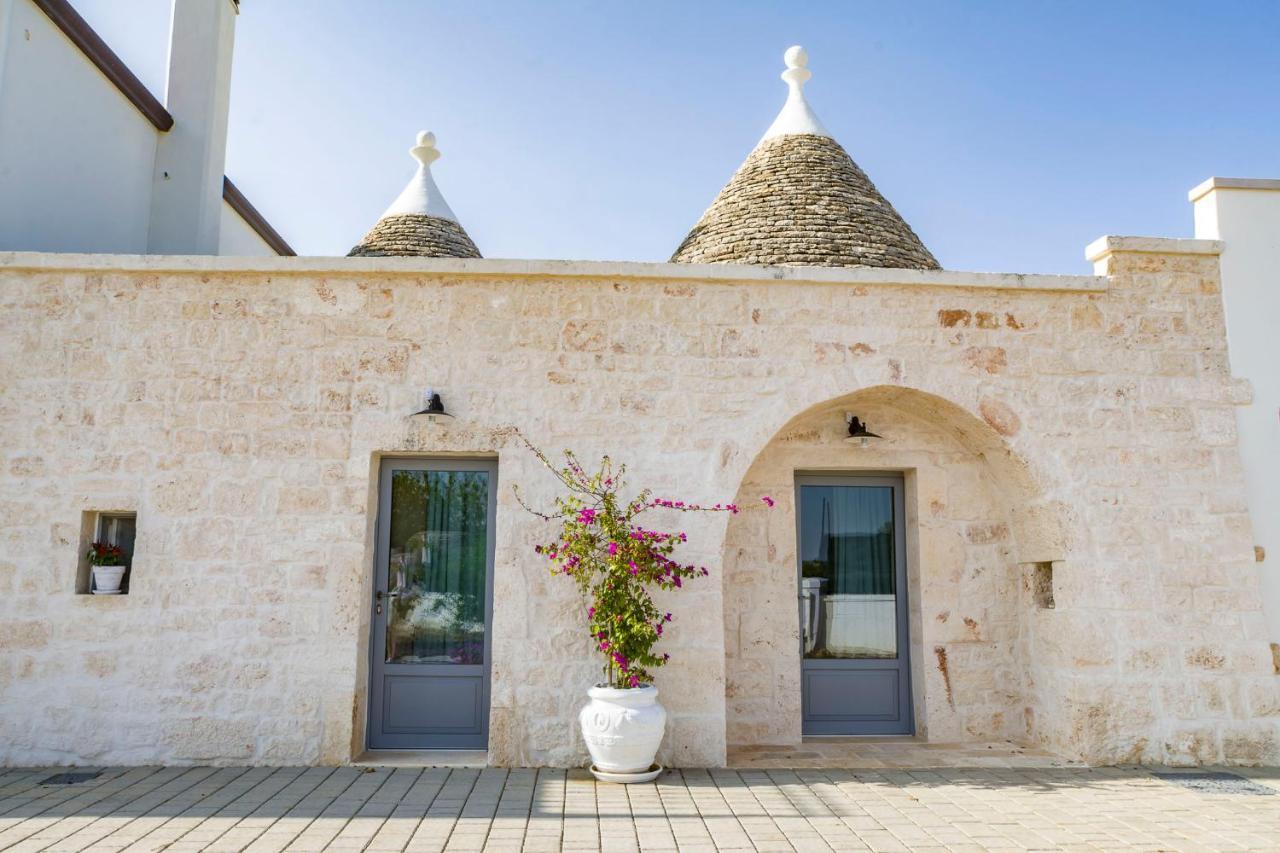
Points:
[(186, 191)]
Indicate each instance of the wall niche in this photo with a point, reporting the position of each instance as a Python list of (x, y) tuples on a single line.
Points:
[(111, 527)]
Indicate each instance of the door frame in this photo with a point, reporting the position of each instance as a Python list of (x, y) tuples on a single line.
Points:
[(897, 481), (377, 622)]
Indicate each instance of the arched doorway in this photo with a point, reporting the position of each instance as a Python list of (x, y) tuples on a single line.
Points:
[(975, 523)]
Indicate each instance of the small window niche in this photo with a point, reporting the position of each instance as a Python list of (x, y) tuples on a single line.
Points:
[(1042, 585), (114, 528)]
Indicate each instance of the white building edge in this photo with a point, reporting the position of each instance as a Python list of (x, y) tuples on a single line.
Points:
[(90, 161), (1244, 214)]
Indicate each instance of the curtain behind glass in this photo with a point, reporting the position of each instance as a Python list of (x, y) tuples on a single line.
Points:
[(860, 540), (846, 536), (847, 562), (437, 564)]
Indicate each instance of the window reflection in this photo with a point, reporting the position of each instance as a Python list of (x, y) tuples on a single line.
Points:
[(436, 567), (848, 577)]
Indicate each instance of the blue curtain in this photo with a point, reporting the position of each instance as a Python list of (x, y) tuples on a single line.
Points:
[(847, 537)]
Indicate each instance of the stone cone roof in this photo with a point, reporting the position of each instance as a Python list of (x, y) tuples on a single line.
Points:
[(800, 200), (412, 235), (419, 222)]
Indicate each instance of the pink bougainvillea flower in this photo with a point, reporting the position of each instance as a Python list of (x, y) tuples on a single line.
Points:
[(768, 501), (596, 526)]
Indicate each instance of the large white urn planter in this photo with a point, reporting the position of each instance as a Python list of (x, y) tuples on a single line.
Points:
[(106, 579), (623, 730)]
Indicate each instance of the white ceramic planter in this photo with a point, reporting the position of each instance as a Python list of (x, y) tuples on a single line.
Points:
[(107, 579), (623, 728)]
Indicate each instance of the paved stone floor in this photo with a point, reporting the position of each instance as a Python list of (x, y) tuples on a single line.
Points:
[(890, 752), (407, 808)]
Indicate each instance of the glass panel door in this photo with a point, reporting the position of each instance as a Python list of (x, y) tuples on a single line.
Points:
[(429, 674), (851, 552)]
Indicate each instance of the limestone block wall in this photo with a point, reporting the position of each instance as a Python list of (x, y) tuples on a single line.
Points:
[(241, 406)]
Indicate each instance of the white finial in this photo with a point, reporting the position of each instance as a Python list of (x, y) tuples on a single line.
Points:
[(422, 197), (796, 117), (425, 152), (796, 57)]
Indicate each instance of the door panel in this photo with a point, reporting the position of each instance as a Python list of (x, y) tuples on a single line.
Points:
[(853, 611), (430, 704), (827, 694), (432, 605)]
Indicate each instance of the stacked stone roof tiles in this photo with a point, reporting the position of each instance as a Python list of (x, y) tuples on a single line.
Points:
[(800, 200), (410, 234)]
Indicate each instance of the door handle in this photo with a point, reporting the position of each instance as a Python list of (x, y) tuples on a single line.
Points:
[(394, 593)]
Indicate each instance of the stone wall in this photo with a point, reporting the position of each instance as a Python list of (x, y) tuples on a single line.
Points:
[(241, 407)]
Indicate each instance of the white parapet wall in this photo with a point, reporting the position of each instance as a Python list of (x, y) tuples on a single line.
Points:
[(1244, 213)]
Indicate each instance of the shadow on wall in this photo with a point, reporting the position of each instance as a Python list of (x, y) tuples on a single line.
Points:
[(978, 524)]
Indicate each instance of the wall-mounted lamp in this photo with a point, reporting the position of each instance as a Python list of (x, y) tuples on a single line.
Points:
[(434, 410), (858, 432)]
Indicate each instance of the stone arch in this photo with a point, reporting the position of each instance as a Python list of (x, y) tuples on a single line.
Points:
[(980, 518)]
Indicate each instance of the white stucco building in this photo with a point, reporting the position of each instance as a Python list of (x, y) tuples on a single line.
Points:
[(90, 161)]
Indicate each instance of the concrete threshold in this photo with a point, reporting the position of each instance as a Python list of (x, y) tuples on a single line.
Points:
[(422, 758)]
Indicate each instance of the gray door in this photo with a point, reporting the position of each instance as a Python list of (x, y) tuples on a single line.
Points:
[(855, 675), (433, 604)]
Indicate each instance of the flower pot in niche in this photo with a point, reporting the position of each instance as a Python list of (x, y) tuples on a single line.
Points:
[(106, 579), (623, 728)]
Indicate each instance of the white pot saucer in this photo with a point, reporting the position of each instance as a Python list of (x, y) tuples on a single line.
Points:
[(627, 778), (107, 591)]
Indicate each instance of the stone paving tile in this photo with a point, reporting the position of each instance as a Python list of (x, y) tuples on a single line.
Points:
[(867, 808)]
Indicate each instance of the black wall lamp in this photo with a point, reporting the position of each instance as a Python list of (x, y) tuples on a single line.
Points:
[(858, 432), (434, 410)]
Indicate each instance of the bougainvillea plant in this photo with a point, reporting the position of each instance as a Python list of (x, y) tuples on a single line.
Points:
[(616, 562), (105, 554)]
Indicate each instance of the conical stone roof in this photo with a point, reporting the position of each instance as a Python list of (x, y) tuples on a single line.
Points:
[(800, 200), (419, 222)]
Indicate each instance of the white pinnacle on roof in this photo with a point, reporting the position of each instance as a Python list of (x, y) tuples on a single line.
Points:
[(796, 117), (422, 197)]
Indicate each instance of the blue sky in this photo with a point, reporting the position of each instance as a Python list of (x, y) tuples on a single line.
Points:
[(1008, 134)]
